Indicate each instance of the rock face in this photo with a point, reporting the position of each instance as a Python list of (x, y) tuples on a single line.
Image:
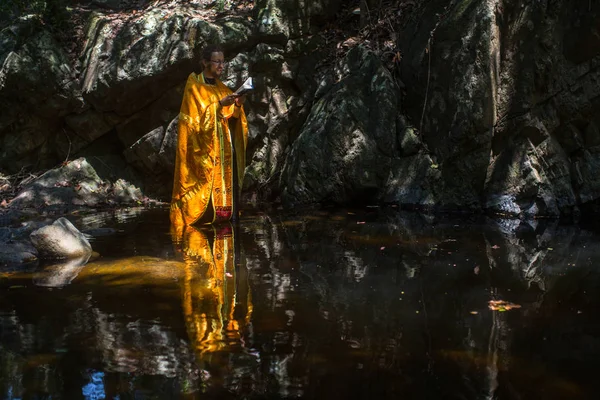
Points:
[(37, 89), (491, 105), (61, 240), (547, 109), (352, 142), (506, 92), (448, 67)]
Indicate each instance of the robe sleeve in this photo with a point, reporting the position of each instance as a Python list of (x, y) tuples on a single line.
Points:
[(237, 111)]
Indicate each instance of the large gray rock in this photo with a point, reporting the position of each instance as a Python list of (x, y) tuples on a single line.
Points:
[(60, 240), (129, 65), (347, 146), (75, 184), (547, 109), (507, 98), (413, 181), (133, 69), (448, 66)]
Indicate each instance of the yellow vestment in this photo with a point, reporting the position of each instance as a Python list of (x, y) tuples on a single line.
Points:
[(216, 293), (203, 164)]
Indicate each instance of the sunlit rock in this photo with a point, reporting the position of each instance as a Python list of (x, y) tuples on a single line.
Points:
[(75, 184), (60, 240)]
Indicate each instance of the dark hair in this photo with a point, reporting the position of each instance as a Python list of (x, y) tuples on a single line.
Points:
[(209, 50)]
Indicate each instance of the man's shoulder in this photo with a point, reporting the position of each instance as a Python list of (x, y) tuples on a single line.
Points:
[(193, 77)]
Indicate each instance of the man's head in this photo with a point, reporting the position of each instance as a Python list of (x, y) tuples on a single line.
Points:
[(213, 61)]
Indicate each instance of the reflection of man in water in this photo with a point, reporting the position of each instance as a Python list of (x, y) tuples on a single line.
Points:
[(216, 296)]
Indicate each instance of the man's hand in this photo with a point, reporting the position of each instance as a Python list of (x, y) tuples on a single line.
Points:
[(227, 100), (239, 100)]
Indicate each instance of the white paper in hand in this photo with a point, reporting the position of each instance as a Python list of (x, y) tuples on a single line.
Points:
[(245, 88)]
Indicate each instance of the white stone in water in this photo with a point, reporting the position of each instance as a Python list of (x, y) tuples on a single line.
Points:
[(61, 240)]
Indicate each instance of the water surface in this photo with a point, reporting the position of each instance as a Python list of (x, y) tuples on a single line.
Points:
[(353, 304)]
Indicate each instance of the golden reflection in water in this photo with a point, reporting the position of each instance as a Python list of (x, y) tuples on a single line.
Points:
[(216, 296)]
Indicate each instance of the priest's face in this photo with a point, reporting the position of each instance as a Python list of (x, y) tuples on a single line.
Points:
[(214, 67)]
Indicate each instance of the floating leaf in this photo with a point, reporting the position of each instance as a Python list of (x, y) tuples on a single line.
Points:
[(501, 305)]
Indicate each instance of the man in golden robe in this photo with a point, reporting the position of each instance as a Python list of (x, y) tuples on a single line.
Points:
[(211, 147)]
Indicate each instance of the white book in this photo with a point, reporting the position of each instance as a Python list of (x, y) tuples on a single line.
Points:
[(246, 87)]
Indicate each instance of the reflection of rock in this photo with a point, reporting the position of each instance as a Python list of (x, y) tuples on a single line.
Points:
[(59, 275), (141, 347), (60, 240)]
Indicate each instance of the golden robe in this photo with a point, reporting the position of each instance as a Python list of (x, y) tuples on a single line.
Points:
[(216, 294), (203, 164)]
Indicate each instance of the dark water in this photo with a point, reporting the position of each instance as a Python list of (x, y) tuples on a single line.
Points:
[(368, 304)]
